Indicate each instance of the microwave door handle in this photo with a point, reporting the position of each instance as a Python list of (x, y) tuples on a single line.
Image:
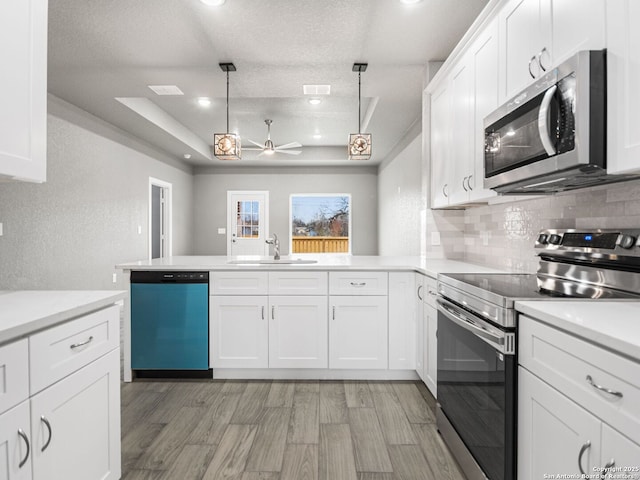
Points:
[(543, 121)]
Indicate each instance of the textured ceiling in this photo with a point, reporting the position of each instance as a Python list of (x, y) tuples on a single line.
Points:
[(103, 50)]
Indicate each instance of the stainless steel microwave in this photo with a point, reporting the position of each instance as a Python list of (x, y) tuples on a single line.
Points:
[(552, 136)]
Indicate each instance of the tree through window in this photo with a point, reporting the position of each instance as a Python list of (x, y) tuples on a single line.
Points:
[(320, 223)]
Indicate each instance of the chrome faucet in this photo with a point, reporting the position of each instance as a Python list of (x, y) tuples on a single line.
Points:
[(276, 246)]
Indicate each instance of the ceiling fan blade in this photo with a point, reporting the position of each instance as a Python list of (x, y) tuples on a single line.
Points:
[(289, 145), (256, 143), (290, 152)]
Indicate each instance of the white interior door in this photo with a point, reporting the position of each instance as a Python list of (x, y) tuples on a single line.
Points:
[(247, 223), (159, 218)]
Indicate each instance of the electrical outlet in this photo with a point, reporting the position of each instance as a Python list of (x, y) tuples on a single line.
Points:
[(485, 238), (1, 229), (139, 229), (435, 238), (115, 277)]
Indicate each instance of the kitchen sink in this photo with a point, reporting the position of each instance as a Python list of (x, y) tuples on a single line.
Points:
[(271, 261)]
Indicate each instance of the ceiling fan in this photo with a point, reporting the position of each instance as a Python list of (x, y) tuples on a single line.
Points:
[(269, 148)]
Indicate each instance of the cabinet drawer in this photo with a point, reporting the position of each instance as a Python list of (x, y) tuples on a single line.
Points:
[(14, 374), (430, 291), (238, 283), (358, 283), (566, 362), (56, 352), (298, 283)]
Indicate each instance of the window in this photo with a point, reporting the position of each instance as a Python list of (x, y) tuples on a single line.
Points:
[(320, 223)]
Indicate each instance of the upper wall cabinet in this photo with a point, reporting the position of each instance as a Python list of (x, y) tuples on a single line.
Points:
[(23, 90), (623, 101), (537, 35)]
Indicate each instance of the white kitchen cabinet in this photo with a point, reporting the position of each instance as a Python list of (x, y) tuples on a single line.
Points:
[(620, 452), (430, 321), (15, 447), (298, 332), (239, 331), (14, 373), (402, 321), (358, 283), (420, 330), (537, 35), (623, 78), (23, 90), (358, 332), (441, 138), (82, 437)]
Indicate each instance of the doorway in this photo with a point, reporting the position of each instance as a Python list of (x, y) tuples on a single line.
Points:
[(159, 218), (247, 222)]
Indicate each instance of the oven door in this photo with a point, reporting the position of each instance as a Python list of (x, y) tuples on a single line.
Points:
[(477, 387)]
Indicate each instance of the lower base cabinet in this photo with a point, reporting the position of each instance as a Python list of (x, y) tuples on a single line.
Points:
[(15, 449), (75, 424), (430, 348), (358, 332)]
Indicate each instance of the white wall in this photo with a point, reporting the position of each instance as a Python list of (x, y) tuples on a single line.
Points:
[(400, 202), (211, 201), (69, 232)]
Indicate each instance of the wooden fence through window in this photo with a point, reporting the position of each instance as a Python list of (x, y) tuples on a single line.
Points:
[(320, 245)]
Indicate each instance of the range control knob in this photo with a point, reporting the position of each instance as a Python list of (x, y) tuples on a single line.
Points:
[(554, 239), (542, 238), (627, 241)]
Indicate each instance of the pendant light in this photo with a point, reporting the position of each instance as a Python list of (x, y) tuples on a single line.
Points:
[(226, 146), (359, 143)]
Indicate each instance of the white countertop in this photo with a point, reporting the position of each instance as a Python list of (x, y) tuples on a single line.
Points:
[(427, 266), (27, 311), (613, 325)]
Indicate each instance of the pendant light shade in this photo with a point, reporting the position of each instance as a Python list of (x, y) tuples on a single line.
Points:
[(359, 143), (227, 146)]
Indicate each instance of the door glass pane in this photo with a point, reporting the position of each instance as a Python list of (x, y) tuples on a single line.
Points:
[(248, 219)]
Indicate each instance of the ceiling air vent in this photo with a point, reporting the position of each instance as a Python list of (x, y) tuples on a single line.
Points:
[(166, 89), (316, 89)]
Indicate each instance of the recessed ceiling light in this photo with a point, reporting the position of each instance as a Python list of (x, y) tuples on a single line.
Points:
[(410, 2), (166, 89), (213, 3), (316, 89), (204, 102), (187, 156), (317, 136), (315, 101)]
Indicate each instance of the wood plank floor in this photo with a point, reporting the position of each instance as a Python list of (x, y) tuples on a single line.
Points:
[(297, 430)]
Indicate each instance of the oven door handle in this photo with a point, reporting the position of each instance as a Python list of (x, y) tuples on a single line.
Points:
[(453, 313), (543, 121)]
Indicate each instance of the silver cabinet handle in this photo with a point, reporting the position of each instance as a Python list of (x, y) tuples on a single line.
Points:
[(431, 292), (463, 186), (263, 312), (44, 420), (610, 464), (273, 312), (603, 389), (420, 287), (81, 344), (26, 440), (469, 182), (530, 62), (540, 59), (358, 284), (444, 189), (333, 314), (584, 448)]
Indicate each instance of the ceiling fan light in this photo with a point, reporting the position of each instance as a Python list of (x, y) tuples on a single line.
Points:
[(226, 146), (359, 146), (213, 3), (315, 101)]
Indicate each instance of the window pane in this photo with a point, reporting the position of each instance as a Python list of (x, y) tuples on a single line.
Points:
[(320, 223)]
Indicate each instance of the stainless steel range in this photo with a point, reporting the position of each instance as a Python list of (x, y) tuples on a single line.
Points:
[(477, 337)]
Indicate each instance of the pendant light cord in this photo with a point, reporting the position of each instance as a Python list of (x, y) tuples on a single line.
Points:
[(359, 113), (227, 101)]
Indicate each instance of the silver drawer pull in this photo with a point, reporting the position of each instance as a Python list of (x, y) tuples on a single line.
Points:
[(584, 448), (44, 420), (604, 389), (431, 292), (358, 284), (26, 440), (82, 344)]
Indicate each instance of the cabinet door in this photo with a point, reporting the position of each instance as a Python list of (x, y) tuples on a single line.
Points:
[(298, 336), (553, 432), (462, 111), (620, 452), (623, 78), (575, 25), (402, 320), (522, 24), (485, 71), (239, 332), (75, 424), (23, 89), (440, 147), (13, 447), (358, 332), (431, 348)]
